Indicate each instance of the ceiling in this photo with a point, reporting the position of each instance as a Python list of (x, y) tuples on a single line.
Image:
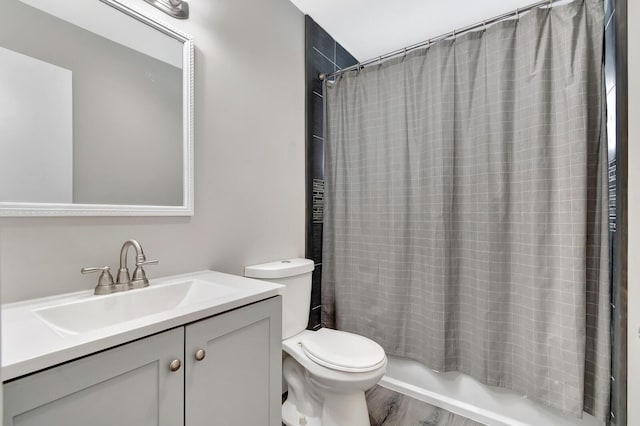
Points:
[(370, 28)]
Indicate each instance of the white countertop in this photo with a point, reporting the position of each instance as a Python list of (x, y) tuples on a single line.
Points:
[(29, 344)]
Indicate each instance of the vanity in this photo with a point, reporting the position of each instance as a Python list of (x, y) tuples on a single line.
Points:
[(99, 122), (195, 349)]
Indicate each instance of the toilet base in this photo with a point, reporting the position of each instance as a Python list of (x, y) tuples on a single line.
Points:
[(337, 410), (292, 417), (345, 409)]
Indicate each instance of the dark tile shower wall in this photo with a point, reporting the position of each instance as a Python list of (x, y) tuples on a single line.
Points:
[(610, 86), (323, 55)]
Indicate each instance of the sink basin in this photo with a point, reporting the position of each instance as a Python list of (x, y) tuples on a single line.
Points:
[(97, 312)]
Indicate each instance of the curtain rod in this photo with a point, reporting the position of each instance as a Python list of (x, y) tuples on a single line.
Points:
[(428, 42)]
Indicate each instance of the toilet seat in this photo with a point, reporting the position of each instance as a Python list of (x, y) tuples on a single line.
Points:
[(343, 351)]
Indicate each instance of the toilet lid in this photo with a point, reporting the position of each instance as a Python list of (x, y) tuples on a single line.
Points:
[(343, 351)]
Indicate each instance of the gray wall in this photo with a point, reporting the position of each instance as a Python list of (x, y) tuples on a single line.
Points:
[(249, 166)]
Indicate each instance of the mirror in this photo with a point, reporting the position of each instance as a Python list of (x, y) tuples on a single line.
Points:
[(96, 111)]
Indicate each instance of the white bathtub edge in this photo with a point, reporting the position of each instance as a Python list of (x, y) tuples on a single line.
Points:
[(465, 396), (450, 404)]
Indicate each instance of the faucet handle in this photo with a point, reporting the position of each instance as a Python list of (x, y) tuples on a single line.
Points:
[(139, 278), (105, 280), (147, 262), (89, 270), (105, 277)]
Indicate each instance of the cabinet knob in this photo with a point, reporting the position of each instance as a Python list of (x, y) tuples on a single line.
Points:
[(200, 354), (175, 365)]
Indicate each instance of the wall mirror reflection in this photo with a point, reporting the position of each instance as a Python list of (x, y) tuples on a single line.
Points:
[(95, 112)]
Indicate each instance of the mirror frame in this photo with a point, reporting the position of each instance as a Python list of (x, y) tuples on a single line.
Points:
[(10, 209)]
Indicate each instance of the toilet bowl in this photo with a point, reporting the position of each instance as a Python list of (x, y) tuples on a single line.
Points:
[(326, 371), (327, 383)]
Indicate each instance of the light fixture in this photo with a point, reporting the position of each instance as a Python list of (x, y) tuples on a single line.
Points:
[(177, 8)]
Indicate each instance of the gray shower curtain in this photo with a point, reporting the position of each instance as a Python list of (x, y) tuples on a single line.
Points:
[(465, 217)]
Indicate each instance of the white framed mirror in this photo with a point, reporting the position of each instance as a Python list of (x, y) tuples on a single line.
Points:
[(96, 111)]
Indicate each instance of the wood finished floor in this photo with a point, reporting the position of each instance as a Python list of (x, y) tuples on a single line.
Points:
[(389, 408)]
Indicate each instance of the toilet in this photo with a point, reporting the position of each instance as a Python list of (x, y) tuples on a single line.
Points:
[(326, 371)]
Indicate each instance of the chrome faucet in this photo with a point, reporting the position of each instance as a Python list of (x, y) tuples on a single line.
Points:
[(139, 278), (124, 281)]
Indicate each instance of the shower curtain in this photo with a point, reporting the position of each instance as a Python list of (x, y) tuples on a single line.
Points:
[(465, 216)]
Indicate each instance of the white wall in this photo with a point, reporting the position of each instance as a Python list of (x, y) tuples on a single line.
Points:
[(249, 166), (368, 29), (36, 161), (633, 376)]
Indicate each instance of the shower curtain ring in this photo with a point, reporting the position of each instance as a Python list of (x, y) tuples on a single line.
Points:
[(454, 35), (517, 14), (484, 26)]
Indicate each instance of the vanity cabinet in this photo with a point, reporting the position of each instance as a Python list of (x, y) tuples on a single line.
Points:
[(238, 381), (229, 375), (126, 385)]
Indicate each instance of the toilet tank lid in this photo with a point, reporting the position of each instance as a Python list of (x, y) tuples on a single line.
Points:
[(279, 269)]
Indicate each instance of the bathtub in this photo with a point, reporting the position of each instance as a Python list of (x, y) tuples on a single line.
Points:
[(465, 396)]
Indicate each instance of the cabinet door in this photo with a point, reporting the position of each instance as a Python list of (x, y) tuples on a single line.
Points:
[(127, 385), (238, 381)]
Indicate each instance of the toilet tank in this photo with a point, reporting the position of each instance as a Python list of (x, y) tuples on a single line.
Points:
[(295, 275)]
